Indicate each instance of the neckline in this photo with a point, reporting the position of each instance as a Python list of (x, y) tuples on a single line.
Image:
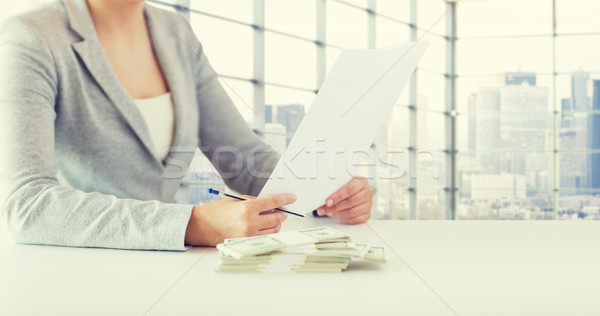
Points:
[(160, 96)]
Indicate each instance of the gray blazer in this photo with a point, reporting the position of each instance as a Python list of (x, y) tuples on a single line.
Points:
[(76, 161)]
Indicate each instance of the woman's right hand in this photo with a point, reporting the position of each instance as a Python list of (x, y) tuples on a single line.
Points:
[(210, 224)]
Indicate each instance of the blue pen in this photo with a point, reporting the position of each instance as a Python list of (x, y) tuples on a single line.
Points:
[(223, 194)]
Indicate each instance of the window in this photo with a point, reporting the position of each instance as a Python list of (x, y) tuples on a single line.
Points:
[(525, 101), (498, 124)]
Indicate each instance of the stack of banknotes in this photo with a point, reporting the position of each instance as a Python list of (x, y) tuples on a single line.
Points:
[(319, 249)]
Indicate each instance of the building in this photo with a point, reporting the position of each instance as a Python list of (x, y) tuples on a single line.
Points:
[(524, 120), (579, 93), (268, 113), (571, 165), (488, 128), (518, 78), (511, 131), (498, 186), (472, 104), (288, 115), (275, 136), (573, 133), (566, 113), (593, 140)]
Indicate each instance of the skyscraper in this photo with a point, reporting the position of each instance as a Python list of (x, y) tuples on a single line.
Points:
[(571, 165), (524, 118), (574, 133), (488, 128), (268, 113), (566, 116), (593, 140), (513, 117), (472, 123), (290, 116), (519, 78), (579, 95)]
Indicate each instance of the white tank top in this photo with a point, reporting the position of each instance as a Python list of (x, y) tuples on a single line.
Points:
[(159, 116)]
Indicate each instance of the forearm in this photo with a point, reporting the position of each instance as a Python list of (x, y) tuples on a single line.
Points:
[(41, 212)]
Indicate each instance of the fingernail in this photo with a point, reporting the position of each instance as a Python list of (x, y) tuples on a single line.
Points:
[(330, 203), (320, 211), (293, 197)]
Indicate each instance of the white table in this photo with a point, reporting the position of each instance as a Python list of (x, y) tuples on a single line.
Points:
[(477, 267)]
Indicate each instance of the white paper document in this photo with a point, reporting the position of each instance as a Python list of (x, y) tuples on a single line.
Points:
[(353, 103)]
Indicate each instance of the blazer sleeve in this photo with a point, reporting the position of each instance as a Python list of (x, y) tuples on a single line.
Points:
[(243, 160), (33, 204)]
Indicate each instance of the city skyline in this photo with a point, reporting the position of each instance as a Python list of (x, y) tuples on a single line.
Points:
[(525, 175)]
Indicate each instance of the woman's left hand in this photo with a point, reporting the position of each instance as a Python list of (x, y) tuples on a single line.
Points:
[(351, 204)]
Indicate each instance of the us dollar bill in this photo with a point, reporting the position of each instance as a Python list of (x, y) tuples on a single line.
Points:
[(241, 247), (376, 254)]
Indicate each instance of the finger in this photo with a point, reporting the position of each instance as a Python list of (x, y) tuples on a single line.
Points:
[(270, 220), (249, 197), (347, 213), (359, 198), (351, 212), (272, 202), (270, 230), (349, 189), (282, 214), (357, 219)]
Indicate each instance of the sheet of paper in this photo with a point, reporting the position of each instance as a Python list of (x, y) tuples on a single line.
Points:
[(353, 103)]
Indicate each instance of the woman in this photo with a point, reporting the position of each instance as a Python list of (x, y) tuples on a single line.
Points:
[(102, 104)]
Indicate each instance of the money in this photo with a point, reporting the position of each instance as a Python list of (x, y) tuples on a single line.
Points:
[(376, 254), (242, 247), (326, 233), (319, 249), (251, 246), (282, 263), (336, 245), (358, 252)]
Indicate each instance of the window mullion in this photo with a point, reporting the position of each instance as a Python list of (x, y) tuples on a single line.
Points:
[(412, 122), (450, 125), (259, 64)]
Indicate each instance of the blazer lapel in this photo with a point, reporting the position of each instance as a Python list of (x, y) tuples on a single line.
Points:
[(92, 55), (164, 38)]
